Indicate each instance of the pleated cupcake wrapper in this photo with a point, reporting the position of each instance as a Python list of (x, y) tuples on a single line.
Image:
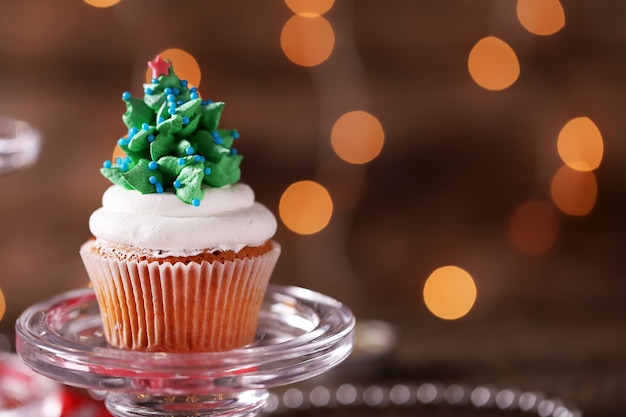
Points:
[(194, 307)]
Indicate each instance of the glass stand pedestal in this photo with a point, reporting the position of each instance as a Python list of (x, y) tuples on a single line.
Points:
[(300, 334)]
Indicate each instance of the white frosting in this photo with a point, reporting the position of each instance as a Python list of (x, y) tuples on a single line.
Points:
[(228, 218)]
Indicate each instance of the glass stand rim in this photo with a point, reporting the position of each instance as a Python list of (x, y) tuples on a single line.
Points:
[(300, 334)]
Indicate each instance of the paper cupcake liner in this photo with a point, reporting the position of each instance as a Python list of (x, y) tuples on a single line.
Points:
[(194, 307)]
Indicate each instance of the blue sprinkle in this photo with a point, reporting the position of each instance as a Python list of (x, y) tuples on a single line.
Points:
[(190, 150), (159, 187), (107, 164), (193, 89), (132, 131), (176, 91), (197, 158), (177, 184), (124, 166), (122, 142), (145, 126), (195, 202), (155, 80), (180, 103), (148, 90), (118, 160), (160, 120), (172, 110), (152, 165), (207, 171), (125, 96), (171, 97), (183, 83), (185, 120), (218, 140), (128, 160), (168, 90), (151, 138), (152, 179), (235, 134), (181, 161), (215, 134), (233, 151), (193, 95)]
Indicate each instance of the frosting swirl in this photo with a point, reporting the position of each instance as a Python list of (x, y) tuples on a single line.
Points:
[(227, 219)]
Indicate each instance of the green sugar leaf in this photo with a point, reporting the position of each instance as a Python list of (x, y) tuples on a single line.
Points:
[(225, 172), (139, 142), (135, 156), (189, 108), (181, 148), (211, 114), (138, 177), (190, 179), (154, 100), (137, 113), (203, 143), (173, 125), (190, 127), (227, 136), (163, 145), (170, 80), (114, 174), (169, 166)]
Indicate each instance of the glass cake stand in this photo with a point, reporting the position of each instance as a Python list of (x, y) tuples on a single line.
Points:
[(300, 334)]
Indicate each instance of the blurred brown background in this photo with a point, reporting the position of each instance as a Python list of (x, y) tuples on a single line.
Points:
[(456, 162)]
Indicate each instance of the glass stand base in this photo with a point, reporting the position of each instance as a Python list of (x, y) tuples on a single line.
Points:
[(241, 403), (300, 334)]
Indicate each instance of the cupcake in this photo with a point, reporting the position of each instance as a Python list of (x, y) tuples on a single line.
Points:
[(181, 252)]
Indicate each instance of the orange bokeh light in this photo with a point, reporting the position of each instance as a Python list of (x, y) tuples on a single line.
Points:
[(357, 137), (580, 144), (102, 3), (117, 153), (307, 40), (534, 227), (310, 7), (541, 17), (305, 207), (449, 292), (185, 64), (3, 304), (574, 192), (493, 64)]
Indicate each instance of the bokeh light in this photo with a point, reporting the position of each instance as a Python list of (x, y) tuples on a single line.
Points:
[(3, 304), (574, 192), (449, 292), (117, 152), (541, 17), (493, 64), (307, 40), (357, 137), (186, 66), (310, 7), (534, 227), (305, 207), (102, 3), (580, 144)]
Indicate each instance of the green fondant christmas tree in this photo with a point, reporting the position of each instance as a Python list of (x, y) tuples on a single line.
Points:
[(173, 142)]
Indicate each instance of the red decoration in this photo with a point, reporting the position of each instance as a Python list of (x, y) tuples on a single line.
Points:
[(159, 66)]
